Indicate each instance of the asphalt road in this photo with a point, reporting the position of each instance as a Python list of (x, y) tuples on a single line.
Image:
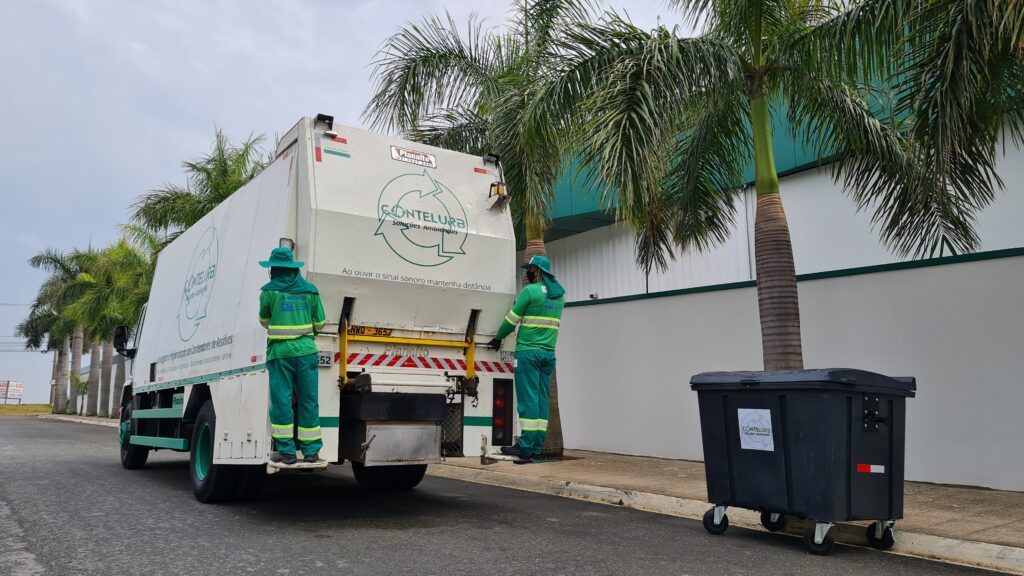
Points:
[(67, 507)]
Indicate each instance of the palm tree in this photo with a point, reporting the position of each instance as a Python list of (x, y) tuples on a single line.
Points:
[(475, 94), (58, 291), (110, 292), (210, 179), (44, 326), (669, 122)]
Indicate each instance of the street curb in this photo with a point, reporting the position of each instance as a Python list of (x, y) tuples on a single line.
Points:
[(964, 552), (77, 420)]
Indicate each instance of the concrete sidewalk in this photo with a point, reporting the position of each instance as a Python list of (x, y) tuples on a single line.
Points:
[(963, 525), (957, 524)]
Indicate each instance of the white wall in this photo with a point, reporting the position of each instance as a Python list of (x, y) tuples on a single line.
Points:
[(624, 368), (827, 232)]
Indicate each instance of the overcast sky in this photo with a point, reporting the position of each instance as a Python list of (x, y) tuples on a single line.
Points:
[(102, 100)]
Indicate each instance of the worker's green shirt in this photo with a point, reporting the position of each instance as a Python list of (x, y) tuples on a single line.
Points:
[(292, 321), (538, 318)]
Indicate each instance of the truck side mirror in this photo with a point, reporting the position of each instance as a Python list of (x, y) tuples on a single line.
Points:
[(121, 342)]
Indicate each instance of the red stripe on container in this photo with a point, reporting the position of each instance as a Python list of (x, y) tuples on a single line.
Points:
[(479, 170), (438, 364), (462, 364), (500, 366), (339, 139), (451, 364), (396, 360), (319, 154), (380, 359), (864, 468)]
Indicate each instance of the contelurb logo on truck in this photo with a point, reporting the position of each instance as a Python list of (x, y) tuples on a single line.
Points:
[(421, 220), (198, 287)]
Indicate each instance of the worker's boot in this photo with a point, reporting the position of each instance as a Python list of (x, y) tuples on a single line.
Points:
[(517, 452), (286, 459), (313, 459)]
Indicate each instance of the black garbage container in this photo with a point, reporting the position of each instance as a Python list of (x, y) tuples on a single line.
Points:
[(825, 445)]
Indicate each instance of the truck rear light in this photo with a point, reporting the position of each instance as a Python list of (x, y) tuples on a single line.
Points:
[(501, 412)]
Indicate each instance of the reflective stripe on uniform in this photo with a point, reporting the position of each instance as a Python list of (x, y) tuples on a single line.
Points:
[(533, 425), (318, 326), (265, 322), (300, 330), (309, 434), (515, 317), (542, 320), (525, 324), (281, 430)]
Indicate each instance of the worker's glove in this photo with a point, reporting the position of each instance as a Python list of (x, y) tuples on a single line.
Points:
[(494, 344)]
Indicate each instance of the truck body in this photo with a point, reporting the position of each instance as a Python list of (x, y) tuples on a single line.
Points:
[(415, 263)]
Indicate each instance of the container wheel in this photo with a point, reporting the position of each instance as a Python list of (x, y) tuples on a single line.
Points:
[(887, 540), (828, 544), (388, 478), (711, 527), (776, 525), (133, 457), (210, 482)]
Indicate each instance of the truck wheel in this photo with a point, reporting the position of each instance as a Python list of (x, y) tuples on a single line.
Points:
[(251, 480), (132, 457), (388, 478), (210, 482)]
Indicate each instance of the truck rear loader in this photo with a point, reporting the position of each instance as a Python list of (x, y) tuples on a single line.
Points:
[(413, 251)]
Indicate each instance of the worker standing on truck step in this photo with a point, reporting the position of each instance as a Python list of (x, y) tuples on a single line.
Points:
[(538, 313), (291, 311)]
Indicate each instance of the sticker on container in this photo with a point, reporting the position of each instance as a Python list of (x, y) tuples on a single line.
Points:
[(756, 429)]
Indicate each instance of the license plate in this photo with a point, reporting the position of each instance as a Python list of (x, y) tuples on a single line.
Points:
[(324, 358), (368, 331)]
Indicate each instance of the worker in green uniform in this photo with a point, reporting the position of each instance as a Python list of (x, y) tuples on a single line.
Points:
[(538, 313), (291, 311)]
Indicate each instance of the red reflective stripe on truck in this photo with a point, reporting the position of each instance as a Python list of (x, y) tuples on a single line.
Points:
[(339, 140), (395, 360)]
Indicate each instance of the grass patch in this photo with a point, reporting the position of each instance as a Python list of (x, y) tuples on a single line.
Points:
[(24, 409)]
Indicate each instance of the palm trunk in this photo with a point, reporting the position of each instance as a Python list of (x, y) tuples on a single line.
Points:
[(60, 396), (53, 378), (106, 367), (76, 368), (777, 297), (119, 375), (93, 391), (553, 445)]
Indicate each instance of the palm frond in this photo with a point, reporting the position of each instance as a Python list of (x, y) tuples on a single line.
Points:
[(461, 129), (427, 67), (919, 211)]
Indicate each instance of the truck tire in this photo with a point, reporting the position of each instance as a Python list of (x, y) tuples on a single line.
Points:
[(132, 457), (388, 478), (210, 482)]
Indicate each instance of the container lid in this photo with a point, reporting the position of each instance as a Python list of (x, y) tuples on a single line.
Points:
[(829, 378)]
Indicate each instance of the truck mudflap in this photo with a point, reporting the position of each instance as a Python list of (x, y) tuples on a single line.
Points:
[(389, 429)]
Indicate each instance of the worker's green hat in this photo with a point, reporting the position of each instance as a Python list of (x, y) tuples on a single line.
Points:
[(540, 262), (281, 258)]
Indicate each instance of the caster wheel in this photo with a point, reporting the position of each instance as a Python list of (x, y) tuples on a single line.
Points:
[(885, 542), (770, 525), (824, 549), (711, 527)]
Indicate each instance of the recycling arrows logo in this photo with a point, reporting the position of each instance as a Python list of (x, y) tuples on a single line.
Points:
[(421, 220)]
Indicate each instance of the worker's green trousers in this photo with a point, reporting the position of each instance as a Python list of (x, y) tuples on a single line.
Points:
[(297, 374), (533, 385)]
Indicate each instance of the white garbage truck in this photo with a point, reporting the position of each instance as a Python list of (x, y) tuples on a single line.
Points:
[(413, 251)]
